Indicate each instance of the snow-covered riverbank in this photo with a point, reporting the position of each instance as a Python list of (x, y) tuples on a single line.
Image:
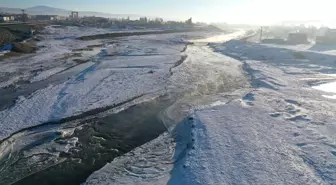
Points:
[(108, 72), (281, 131), (247, 113), (123, 73)]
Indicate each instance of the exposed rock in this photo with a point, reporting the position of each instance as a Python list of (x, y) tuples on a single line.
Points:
[(23, 48)]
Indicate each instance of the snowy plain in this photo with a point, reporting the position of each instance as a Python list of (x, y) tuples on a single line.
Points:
[(279, 130)]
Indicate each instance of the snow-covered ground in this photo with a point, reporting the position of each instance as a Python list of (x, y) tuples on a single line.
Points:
[(221, 37), (206, 79), (279, 130), (114, 71), (51, 57), (68, 32), (328, 87), (247, 113), (58, 50), (283, 79)]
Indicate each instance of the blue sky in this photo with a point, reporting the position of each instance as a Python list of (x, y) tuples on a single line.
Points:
[(234, 11), (180, 9)]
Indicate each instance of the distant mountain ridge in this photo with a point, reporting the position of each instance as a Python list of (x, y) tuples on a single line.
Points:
[(46, 10)]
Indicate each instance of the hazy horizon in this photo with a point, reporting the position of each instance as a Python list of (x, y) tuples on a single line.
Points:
[(231, 11)]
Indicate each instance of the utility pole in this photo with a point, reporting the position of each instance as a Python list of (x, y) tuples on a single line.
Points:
[(23, 15)]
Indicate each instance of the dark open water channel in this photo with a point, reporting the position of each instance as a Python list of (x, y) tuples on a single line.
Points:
[(66, 154)]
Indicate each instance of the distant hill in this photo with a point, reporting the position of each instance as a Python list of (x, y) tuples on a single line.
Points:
[(46, 10), (41, 10), (10, 10)]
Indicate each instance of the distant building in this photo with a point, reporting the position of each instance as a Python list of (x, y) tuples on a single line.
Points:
[(11, 17), (61, 18), (331, 33), (143, 20), (4, 18), (329, 37), (7, 17), (94, 21), (189, 21), (46, 17), (74, 16), (322, 31), (21, 17), (297, 38)]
